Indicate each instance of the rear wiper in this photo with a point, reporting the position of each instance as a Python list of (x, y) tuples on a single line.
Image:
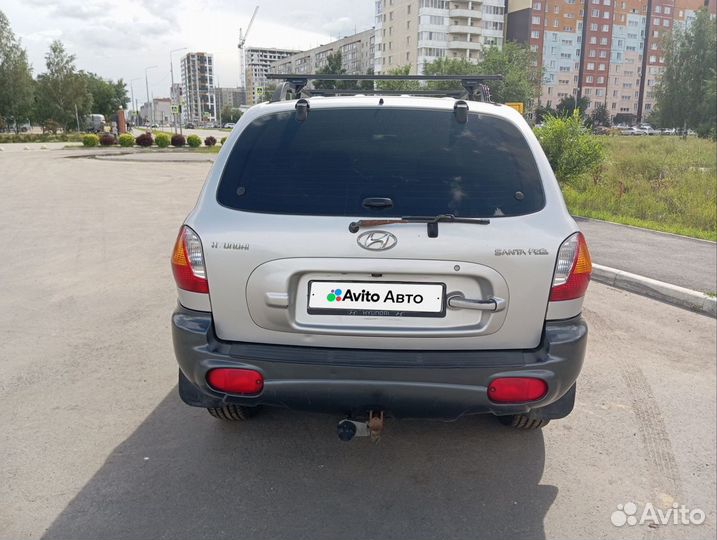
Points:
[(431, 222)]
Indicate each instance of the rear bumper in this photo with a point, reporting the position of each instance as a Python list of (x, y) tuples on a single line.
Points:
[(440, 384)]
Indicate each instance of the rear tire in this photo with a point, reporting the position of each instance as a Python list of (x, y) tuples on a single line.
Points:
[(523, 421), (232, 413)]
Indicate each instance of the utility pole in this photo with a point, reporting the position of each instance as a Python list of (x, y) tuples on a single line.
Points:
[(146, 87), (171, 93)]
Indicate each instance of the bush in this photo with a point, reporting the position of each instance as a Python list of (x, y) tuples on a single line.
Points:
[(162, 140), (107, 139), (178, 140), (90, 140), (194, 141), (570, 147), (224, 139), (145, 140), (126, 140), (210, 141)]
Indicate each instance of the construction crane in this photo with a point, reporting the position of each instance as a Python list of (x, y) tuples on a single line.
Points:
[(242, 55)]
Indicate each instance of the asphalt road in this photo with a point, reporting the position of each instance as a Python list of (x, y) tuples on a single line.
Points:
[(687, 262), (95, 443)]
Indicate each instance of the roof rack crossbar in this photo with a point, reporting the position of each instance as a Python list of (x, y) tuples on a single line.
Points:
[(473, 85)]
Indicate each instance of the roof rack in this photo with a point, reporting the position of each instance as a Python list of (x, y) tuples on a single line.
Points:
[(295, 84)]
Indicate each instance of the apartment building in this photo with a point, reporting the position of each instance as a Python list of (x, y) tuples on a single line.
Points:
[(357, 56), (258, 63), (600, 49), (198, 88), (227, 96), (159, 111), (417, 32)]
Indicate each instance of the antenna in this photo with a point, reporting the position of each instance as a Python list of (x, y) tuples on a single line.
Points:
[(242, 55)]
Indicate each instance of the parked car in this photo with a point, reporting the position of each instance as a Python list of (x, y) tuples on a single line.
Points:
[(229, 125), (344, 258), (189, 125), (633, 131), (668, 131)]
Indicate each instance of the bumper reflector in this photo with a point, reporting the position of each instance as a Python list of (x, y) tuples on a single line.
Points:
[(236, 381), (516, 389)]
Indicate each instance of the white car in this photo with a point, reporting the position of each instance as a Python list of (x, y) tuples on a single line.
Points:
[(381, 255), (229, 125), (633, 131)]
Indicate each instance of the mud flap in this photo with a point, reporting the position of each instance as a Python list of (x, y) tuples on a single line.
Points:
[(558, 409), (191, 395)]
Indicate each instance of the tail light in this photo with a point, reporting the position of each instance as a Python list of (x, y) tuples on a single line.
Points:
[(188, 267), (516, 389), (236, 381), (572, 269)]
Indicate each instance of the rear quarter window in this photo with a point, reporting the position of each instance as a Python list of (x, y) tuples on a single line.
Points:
[(423, 160)]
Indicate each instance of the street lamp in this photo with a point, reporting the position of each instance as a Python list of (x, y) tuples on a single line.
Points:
[(146, 87), (134, 102), (171, 93)]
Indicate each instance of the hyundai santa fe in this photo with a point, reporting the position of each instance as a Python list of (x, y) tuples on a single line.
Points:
[(408, 256)]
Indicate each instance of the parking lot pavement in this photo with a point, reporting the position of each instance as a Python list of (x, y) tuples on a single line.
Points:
[(679, 260), (95, 443)]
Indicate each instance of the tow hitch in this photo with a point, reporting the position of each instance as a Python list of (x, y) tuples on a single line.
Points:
[(347, 429)]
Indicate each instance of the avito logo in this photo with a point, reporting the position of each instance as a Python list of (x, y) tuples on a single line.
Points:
[(337, 295), (334, 295)]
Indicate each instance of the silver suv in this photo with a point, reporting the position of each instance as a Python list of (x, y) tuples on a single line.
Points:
[(363, 255)]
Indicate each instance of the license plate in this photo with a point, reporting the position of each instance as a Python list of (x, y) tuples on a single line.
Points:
[(377, 298)]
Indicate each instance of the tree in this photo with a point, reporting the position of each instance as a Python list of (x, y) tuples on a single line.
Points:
[(569, 104), (542, 112), (516, 62), (107, 96), (16, 83), (230, 115), (521, 74), (61, 90), (685, 91), (600, 115), (449, 66), (399, 86), (334, 66)]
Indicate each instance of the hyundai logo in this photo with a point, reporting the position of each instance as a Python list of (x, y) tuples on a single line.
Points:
[(377, 240)]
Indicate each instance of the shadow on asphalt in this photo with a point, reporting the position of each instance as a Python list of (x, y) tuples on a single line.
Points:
[(285, 474)]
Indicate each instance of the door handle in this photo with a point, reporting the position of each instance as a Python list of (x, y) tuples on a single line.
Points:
[(493, 303)]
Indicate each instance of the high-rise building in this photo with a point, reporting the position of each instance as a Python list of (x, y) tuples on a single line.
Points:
[(198, 87), (600, 49), (416, 32), (357, 56), (232, 97), (258, 61)]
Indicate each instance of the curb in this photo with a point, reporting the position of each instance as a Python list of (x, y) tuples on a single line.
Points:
[(659, 290)]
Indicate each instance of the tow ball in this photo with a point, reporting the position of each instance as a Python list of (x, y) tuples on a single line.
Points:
[(347, 429)]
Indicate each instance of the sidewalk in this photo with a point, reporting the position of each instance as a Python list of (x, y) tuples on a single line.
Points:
[(681, 261)]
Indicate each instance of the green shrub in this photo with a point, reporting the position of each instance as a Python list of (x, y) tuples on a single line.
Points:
[(162, 140), (224, 139), (210, 141), (107, 139), (126, 140), (90, 140), (178, 140), (145, 140), (570, 147), (194, 141)]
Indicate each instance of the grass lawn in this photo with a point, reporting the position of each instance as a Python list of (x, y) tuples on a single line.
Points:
[(658, 182)]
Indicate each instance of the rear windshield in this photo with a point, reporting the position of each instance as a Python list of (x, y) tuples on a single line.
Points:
[(424, 161)]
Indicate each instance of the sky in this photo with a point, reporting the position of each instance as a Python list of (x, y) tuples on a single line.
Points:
[(120, 38)]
